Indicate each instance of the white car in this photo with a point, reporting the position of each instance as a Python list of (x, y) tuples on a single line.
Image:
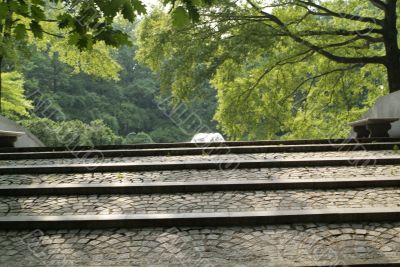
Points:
[(208, 138)]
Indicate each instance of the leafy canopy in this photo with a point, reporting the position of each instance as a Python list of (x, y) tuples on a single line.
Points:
[(86, 22), (128, 106), (79, 33), (268, 84), (14, 103)]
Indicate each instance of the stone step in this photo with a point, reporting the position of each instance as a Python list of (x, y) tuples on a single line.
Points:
[(203, 158), (300, 200), (250, 203), (211, 175), (221, 150), (199, 165), (311, 244), (195, 187), (212, 219)]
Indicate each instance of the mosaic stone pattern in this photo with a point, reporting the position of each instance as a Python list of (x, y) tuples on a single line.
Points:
[(280, 245), (206, 175), (268, 245), (231, 201), (206, 158)]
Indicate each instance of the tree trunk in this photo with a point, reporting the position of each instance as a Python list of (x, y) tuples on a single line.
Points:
[(393, 73), (390, 34)]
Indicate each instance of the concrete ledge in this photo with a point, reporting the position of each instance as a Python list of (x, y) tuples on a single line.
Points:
[(194, 187), (196, 165), (373, 127), (202, 145), (200, 151), (11, 133), (200, 219), (8, 138)]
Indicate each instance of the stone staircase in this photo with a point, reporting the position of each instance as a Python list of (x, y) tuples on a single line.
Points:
[(265, 203)]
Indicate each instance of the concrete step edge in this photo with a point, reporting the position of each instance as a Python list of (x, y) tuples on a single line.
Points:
[(186, 144), (197, 165), (83, 154), (341, 215), (196, 187)]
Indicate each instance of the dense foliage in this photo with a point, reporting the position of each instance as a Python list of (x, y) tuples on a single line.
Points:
[(71, 27), (263, 70), (127, 106), (72, 133), (269, 83), (15, 105), (69, 60)]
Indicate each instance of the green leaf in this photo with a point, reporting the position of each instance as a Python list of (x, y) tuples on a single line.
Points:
[(197, 2), (208, 2), (73, 38), (19, 7), (20, 32), (112, 8), (180, 17), (37, 13), (192, 10), (38, 2), (139, 7), (166, 2), (85, 42), (127, 11), (3, 10), (65, 20), (113, 38), (36, 29)]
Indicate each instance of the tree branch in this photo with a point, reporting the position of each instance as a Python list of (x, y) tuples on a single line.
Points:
[(352, 40), (379, 4), (282, 62), (341, 32), (318, 49), (319, 76), (343, 15), (49, 33)]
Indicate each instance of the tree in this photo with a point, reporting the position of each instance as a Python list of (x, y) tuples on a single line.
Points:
[(292, 69), (82, 23), (125, 105), (71, 133), (378, 29), (14, 104), (372, 22)]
